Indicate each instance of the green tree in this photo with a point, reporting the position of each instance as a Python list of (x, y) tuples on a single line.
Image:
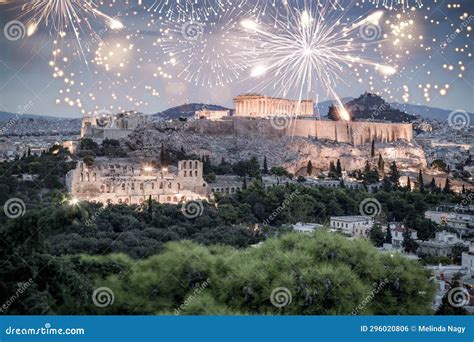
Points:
[(394, 175), (388, 235), (265, 166), (439, 165), (338, 169), (421, 182), (447, 307), (447, 187), (88, 160), (408, 244), (376, 235), (408, 183), (372, 150), (381, 166), (309, 169)]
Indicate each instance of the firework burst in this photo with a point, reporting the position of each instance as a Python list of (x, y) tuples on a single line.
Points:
[(394, 4), (205, 52), (63, 17), (308, 50), (199, 10)]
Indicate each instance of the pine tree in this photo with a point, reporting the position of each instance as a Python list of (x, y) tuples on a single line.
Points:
[(408, 244), (339, 169), (447, 186), (388, 235), (409, 184), (432, 185), (394, 175), (381, 166), (421, 182), (463, 190), (372, 151), (367, 167), (309, 169), (163, 155), (150, 209), (376, 235), (265, 166)]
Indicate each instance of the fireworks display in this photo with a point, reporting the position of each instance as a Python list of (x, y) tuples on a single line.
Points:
[(63, 17), (145, 54), (205, 52), (311, 49)]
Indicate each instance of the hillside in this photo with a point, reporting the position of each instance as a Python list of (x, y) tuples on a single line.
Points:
[(426, 112), (370, 107), (185, 111)]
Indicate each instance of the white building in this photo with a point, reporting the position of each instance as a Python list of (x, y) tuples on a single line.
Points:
[(355, 226), (468, 258), (455, 218), (213, 115), (441, 245), (398, 231), (306, 228)]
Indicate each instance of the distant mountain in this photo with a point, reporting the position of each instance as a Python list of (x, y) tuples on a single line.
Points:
[(185, 111), (426, 112), (322, 108), (429, 113), (5, 116)]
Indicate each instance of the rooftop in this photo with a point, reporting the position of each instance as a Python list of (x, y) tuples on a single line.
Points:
[(351, 218)]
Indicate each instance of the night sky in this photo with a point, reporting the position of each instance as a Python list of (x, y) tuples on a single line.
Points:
[(141, 57)]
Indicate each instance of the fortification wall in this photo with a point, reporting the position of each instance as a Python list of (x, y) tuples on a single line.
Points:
[(356, 133)]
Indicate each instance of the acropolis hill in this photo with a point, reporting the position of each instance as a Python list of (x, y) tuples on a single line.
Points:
[(319, 141)]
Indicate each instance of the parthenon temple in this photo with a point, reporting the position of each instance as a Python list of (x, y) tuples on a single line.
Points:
[(256, 105)]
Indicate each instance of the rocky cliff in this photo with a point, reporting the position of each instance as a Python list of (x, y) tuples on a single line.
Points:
[(290, 152)]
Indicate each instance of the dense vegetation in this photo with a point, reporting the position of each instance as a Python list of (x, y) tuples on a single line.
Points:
[(69, 249), (325, 274)]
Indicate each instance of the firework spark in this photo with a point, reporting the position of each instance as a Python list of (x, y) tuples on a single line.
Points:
[(206, 52), (393, 4), (63, 16), (199, 10), (309, 50)]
